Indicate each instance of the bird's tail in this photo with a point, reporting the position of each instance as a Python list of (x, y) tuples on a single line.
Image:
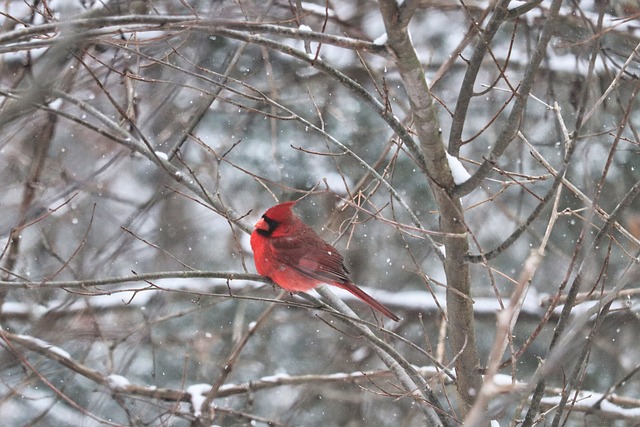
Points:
[(348, 286)]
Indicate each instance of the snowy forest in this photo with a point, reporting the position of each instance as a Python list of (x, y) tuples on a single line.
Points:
[(475, 162)]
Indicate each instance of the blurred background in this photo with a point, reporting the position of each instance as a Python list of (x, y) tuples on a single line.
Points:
[(140, 138)]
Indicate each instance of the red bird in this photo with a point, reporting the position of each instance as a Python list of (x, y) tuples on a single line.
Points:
[(290, 253)]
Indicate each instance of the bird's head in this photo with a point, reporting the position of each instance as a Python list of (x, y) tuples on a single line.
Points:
[(274, 217)]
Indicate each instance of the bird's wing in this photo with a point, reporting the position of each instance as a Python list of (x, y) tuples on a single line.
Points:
[(311, 257)]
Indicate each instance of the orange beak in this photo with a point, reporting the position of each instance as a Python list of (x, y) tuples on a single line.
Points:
[(261, 225)]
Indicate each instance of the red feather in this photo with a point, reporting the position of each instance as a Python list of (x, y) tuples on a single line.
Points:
[(290, 253)]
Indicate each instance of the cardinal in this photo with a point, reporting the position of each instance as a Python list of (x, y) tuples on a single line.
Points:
[(290, 253)]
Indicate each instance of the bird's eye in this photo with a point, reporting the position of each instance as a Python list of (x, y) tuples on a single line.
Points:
[(270, 222)]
